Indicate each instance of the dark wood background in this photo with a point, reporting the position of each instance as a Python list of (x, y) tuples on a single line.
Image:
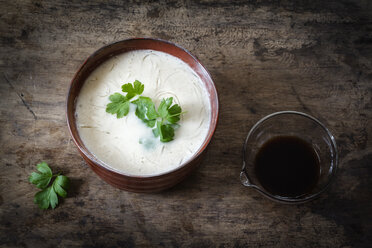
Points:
[(264, 56)]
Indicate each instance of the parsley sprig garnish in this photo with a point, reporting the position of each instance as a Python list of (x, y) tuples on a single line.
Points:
[(120, 104), (163, 120), (48, 196)]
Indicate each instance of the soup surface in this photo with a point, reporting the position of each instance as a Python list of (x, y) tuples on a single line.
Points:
[(127, 144)]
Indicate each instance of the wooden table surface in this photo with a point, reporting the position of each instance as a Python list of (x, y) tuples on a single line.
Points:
[(310, 56)]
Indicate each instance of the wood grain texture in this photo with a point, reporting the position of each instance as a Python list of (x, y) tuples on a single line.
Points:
[(264, 56)]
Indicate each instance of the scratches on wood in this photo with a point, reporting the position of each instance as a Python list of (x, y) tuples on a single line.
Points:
[(20, 96)]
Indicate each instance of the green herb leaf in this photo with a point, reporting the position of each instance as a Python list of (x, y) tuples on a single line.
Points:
[(42, 198), (45, 198), (41, 180), (168, 112), (156, 131), (133, 90), (166, 133), (60, 185), (174, 113), (53, 198), (117, 98), (44, 168), (48, 196), (164, 106), (146, 110), (119, 105)]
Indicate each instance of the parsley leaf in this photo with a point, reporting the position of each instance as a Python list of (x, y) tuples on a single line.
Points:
[(174, 113), (164, 106), (41, 180), (60, 185), (165, 131), (48, 196), (133, 90), (171, 114), (119, 105), (146, 110), (156, 131)]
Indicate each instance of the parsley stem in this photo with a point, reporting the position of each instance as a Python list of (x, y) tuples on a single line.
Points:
[(178, 114)]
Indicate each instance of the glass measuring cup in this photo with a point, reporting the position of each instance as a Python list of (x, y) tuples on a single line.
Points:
[(290, 123)]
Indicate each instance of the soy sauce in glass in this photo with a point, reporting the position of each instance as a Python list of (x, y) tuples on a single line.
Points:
[(287, 166)]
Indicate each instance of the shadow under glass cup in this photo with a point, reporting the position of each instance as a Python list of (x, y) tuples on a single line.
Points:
[(293, 124)]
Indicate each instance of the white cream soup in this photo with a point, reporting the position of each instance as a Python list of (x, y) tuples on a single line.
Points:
[(127, 144)]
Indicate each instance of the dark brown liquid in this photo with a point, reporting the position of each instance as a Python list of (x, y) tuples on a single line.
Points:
[(287, 166)]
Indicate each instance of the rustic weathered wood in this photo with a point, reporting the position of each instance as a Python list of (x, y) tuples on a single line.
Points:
[(313, 56)]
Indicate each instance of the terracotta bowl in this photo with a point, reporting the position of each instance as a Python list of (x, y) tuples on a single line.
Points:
[(120, 179)]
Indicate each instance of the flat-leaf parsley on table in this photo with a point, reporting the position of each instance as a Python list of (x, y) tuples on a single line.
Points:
[(48, 196), (163, 121)]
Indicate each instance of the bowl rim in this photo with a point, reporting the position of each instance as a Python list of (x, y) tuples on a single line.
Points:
[(245, 179), (83, 149)]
